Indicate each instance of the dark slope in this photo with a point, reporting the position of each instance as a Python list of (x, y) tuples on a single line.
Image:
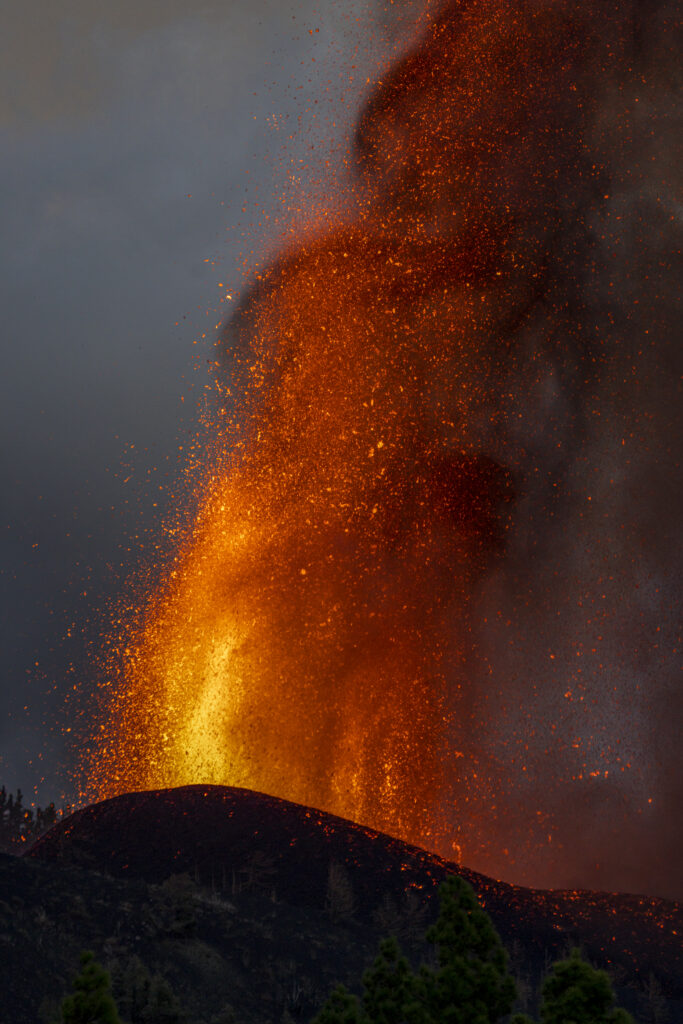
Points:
[(339, 875)]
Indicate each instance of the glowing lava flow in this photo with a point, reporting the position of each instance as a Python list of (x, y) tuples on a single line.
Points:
[(310, 636)]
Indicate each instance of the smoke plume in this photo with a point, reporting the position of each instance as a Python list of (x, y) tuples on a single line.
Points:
[(431, 580)]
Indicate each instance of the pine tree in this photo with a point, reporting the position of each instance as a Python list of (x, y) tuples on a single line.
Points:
[(91, 1002), (16, 811), (163, 1006), (143, 997), (341, 1008), (575, 992), (389, 986), (471, 984)]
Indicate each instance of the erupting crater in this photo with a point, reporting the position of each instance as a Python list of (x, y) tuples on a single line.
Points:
[(311, 635)]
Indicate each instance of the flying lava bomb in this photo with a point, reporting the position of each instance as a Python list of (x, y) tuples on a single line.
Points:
[(402, 403)]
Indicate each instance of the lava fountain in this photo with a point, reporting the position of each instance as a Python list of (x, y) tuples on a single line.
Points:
[(310, 637)]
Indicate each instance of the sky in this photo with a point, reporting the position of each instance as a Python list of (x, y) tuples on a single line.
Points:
[(153, 154), (149, 149)]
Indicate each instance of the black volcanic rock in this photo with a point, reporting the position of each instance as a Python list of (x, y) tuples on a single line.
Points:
[(232, 840), (213, 831)]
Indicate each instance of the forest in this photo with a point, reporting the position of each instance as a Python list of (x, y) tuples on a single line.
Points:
[(211, 905)]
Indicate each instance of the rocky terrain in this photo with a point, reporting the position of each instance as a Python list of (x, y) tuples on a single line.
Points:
[(211, 904)]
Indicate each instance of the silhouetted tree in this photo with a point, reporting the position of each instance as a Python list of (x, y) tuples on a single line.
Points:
[(657, 1009), (340, 901), (341, 1008), (45, 818), (162, 1005), (471, 984), (574, 991), (91, 1002), (15, 811), (19, 824), (144, 998), (389, 986)]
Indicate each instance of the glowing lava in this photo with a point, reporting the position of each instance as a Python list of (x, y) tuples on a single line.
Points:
[(311, 634)]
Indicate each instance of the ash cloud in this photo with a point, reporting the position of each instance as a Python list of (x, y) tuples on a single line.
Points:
[(558, 146), (588, 596)]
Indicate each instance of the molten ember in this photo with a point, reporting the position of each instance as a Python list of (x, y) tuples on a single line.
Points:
[(311, 636)]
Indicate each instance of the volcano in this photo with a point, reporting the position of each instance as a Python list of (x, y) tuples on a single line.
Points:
[(424, 582), (230, 840)]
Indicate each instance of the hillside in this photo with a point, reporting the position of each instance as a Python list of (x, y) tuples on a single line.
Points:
[(251, 908)]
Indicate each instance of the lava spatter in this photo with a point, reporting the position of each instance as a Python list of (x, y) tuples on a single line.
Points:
[(311, 637)]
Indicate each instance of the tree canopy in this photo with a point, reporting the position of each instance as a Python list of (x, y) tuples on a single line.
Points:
[(470, 983), (92, 1001), (575, 992)]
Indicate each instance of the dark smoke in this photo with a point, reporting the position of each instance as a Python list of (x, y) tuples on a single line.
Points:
[(587, 601), (552, 128)]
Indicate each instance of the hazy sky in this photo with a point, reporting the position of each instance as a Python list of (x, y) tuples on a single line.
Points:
[(142, 143)]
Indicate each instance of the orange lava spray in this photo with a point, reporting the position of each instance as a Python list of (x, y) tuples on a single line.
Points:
[(310, 636)]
